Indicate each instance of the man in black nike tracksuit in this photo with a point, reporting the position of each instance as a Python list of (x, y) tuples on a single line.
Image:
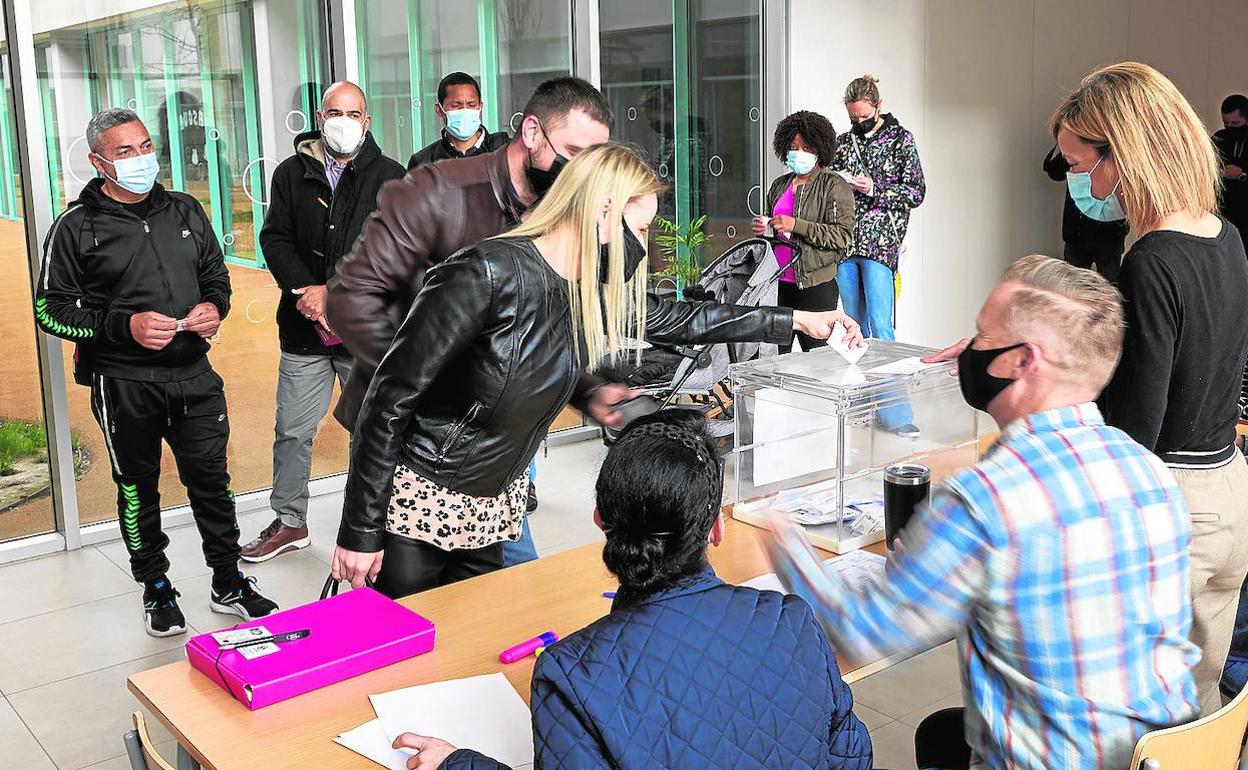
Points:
[(132, 273)]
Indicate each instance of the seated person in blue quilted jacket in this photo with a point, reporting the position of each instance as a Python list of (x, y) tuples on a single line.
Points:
[(686, 671)]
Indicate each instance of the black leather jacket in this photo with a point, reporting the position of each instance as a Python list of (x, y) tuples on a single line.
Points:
[(480, 368)]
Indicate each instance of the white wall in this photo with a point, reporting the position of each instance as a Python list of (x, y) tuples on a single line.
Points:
[(975, 80)]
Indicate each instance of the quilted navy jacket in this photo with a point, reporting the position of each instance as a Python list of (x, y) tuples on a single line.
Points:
[(704, 675)]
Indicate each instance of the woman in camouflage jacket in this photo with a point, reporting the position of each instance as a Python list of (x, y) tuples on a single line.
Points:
[(881, 163), (888, 181)]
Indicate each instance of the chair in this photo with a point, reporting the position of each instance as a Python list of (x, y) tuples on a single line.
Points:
[(1212, 743), (139, 747)]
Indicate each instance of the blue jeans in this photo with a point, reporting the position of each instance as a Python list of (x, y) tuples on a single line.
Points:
[(867, 295), (1235, 674), (524, 549)]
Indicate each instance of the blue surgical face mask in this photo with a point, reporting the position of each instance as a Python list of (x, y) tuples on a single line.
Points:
[(136, 173), (800, 162), (1080, 188), (463, 124)]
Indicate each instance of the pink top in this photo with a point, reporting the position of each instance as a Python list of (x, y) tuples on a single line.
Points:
[(784, 255)]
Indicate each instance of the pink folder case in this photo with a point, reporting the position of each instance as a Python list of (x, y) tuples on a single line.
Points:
[(351, 634)]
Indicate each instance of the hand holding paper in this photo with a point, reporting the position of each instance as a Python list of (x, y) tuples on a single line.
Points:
[(831, 325), (839, 341)]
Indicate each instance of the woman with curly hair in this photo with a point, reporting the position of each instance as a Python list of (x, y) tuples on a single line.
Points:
[(813, 206)]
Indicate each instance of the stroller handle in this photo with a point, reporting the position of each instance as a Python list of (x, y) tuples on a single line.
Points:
[(771, 240)]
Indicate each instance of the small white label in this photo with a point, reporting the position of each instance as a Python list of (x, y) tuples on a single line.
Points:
[(251, 652), (240, 635)]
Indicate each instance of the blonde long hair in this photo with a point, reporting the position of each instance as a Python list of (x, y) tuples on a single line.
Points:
[(1165, 158), (607, 313)]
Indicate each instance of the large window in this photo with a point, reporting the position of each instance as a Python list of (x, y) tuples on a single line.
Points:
[(407, 46), (222, 112), (25, 477), (683, 79)]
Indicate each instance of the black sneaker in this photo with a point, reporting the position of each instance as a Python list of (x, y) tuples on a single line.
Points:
[(909, 430), (243, 600), (531, 505), (161, 615)]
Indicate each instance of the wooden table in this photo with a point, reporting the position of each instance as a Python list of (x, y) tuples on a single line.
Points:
[(475, 619)]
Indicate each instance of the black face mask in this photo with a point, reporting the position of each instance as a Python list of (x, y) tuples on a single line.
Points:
[(979, 387), (541, 180), (634, 253), (863, 127)]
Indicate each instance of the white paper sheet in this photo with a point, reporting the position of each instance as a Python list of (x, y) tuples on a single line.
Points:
[(848, 177), (369, 740), (793, 435), (855, 567), (483, 713), (903, 366), (859, 566)]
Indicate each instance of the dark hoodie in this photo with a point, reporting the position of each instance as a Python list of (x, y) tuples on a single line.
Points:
[(102, 263), (308, 227)]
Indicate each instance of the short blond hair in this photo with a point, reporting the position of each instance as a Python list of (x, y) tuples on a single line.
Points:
[(1077, 313), (1165, 157)]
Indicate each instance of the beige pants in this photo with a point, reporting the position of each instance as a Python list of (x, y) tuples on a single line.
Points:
[(1218, 500)]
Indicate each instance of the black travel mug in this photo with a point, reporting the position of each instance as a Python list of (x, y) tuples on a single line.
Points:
[(906, 485)]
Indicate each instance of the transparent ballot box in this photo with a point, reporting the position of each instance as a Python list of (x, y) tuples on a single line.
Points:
[(814, 434)]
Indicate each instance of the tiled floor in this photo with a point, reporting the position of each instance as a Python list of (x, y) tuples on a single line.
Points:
[(70, 633)]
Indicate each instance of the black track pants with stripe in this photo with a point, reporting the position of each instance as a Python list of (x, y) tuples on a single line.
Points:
[(190, 415)]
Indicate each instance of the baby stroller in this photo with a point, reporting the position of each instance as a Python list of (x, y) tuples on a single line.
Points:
[(745, 274)]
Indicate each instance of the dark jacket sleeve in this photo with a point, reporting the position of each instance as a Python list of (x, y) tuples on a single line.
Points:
[(563, 736), (60, 287), (695, 323), (1055, 165), (386, 263), (277, 236), (444, 321), (467, 759), (670, 322), (849, 743), (832, 227), (214, 276), (1139, 391)]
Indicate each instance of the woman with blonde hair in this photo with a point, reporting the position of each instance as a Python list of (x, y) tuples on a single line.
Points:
[(887, 178), (500, 339), (1138, 152)]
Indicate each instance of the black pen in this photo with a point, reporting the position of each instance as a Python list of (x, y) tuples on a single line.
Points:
[(289, 636)]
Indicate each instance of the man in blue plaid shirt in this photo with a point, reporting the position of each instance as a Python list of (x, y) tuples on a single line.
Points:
[(1059, 560)]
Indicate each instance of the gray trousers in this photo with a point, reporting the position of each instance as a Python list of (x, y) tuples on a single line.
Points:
[(304, 387)]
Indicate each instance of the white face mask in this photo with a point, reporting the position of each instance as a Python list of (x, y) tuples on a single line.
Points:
[(342, 135)]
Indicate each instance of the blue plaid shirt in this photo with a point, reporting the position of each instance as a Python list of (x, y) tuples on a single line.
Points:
[(1060, 560)]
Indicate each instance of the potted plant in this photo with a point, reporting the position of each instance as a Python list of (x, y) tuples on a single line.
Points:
[(682, 248)]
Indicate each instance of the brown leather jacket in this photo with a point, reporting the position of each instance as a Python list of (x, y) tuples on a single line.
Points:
[(421, 219)]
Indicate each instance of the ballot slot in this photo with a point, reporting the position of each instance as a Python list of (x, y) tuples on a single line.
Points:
[(814, 433)]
